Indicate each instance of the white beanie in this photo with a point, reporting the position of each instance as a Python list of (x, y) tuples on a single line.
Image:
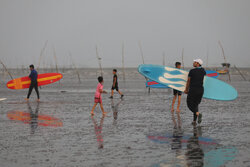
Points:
[(198, 61)]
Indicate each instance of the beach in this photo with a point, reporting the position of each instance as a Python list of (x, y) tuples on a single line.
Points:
[(139, 130)]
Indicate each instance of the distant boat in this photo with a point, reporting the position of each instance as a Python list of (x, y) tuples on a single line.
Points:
[(222, 71), (225, 66)]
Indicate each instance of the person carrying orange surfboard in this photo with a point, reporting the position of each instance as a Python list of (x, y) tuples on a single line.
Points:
[(33, 77)]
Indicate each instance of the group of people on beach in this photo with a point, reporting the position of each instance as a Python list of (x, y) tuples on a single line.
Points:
[(194, 89), (100, 91)]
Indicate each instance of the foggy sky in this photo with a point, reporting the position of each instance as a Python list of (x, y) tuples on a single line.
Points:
[(78, 26)]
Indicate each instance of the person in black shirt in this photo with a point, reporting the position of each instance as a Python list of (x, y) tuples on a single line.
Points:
[(195, 90), (33, 84), (115, 85)]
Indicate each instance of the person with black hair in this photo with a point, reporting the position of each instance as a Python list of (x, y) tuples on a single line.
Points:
[(33, 77), (98, 96), (115, 85), (176, 92), (195, 89)]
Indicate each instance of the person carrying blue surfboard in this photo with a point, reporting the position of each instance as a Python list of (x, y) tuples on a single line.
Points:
[(194, 89), (176, 93)]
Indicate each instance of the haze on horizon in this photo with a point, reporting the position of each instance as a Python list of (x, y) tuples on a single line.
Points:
[(76, 27)]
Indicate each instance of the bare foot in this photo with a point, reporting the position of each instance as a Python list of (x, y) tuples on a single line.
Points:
[(178, 110), (26, 99), (38, 100)]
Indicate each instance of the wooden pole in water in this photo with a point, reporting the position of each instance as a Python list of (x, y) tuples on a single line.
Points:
[(54, 52), (163, 59), (182, 58), (74, 66), (240, 73), (99, 59), (123, 68), (223, 54), (140, 47), (41, 54), (207, 60), (6, 69), (143, 62)]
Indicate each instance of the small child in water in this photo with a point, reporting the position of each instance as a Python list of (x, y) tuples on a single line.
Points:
[(98, 96)]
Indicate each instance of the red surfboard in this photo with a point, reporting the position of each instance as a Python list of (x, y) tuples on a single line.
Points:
[(42, 79), (42, 120)]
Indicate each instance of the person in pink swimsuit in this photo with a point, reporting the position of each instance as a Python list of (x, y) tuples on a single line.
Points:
[(98, 95)]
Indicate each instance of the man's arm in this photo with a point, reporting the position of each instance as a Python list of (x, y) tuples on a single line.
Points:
[(102, 91), (31, 74), (187, 85)]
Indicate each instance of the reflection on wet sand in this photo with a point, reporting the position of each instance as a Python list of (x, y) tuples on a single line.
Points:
[(189, 150), (195, 154), (33, 117), (177, 139), (115, 109), (98, 131)]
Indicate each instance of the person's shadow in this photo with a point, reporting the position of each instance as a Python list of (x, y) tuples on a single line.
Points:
[(33, 117), (115, 109), (98, 131), (195, 154)]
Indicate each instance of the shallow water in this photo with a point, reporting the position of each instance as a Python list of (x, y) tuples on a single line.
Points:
[(137, 131)]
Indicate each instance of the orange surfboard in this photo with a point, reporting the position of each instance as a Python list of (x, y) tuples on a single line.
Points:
[(42, 79), (42, 120)]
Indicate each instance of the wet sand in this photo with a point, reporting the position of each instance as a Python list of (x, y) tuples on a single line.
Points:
[(137, 131)]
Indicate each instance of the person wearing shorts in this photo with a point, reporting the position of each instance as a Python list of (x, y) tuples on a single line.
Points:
[(176, 93), (98, 96), (115, 85)]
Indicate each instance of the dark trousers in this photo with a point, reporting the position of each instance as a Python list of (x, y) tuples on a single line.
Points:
[(33, 85), (193, 100)]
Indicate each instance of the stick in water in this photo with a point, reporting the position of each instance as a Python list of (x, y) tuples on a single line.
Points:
[(6, 69)]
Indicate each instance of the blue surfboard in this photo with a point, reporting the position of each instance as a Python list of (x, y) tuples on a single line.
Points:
[(176, 79)]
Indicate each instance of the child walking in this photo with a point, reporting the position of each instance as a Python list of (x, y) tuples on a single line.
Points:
[(177, 93), (98, 96), (115, 85)]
